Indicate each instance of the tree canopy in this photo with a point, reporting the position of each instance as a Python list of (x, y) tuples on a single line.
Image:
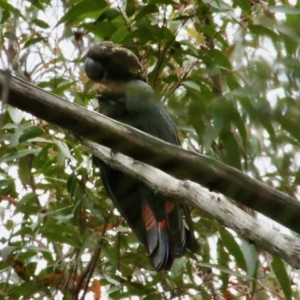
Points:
[(227, 71)]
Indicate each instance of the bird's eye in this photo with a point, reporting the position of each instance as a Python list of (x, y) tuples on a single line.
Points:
[(93, 69)]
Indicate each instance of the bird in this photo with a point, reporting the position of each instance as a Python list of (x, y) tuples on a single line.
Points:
[(124, 95)]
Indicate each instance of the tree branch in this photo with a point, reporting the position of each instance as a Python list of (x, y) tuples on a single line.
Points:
[(174, 160), (285, 246)]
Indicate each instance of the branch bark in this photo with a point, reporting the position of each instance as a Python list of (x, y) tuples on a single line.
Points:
[(173, 160), (285, 246)]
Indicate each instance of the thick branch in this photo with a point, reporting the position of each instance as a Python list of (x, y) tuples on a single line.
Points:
[(172, 159), (267, 238)]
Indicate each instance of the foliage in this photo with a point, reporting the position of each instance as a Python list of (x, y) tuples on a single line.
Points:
[(228, 71)]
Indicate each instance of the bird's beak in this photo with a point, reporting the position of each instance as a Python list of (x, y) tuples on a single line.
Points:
[(84, 54)]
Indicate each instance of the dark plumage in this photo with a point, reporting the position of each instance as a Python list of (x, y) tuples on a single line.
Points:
[(126, 97)]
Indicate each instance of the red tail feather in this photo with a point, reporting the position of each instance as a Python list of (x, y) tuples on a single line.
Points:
[(165, 239)]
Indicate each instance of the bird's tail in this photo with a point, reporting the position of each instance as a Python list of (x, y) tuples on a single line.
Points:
[(166, 239)]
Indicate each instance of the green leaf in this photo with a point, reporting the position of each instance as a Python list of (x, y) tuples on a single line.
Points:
[(40, 23), (111, 255), (28, 204), (217, 57), (233, 248), (282, 276), (251, 257), (33, 41), (58, 237), (71, 184), (109, 14), (5, 15), (260, 30), (232, 149), (46, 253), (24, 170), (130, 8), (264, 116), (209, 136), (15, 114), (146, 10), (42, 158), (79, 192), (81, 9), (120, 35), (6, 6), (192, 85), (226, 270), (18, 154), (31, 132), (284, 9), (223, 260), (65, 151), (244, 5), (8, 187), (103, 30)]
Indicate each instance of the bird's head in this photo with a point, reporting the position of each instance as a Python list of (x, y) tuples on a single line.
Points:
[(107, 62)]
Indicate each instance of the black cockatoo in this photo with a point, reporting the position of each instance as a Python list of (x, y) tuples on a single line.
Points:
[(126, 97)]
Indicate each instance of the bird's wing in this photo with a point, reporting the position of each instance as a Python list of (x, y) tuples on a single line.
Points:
[(124, 192), (148, 114)]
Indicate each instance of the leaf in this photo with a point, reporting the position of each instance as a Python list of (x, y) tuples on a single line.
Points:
[(260, 30), (251, 257), (63, 147), (42, 158), (130, 8), (71, 184), (232, 149), (33, 41), (221, 111), (8, 187), (120, 35), (82, 8), (263, 113), (226, 270), (103, 30), (95, 288), (284, 9), (18, 266), (40, 23), (199, 38), (6, 6), (209, 136), (192, 85), (217, 57), (18, 154), (110, 254), (223, 260), (244, 5), (144, 34), (31, 132), (24, 170), (15, 114), (47, 254), (146, 10), (233, 248), (53, 279), (28, 204), (282, 276), (59, 237), (109, 14)]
